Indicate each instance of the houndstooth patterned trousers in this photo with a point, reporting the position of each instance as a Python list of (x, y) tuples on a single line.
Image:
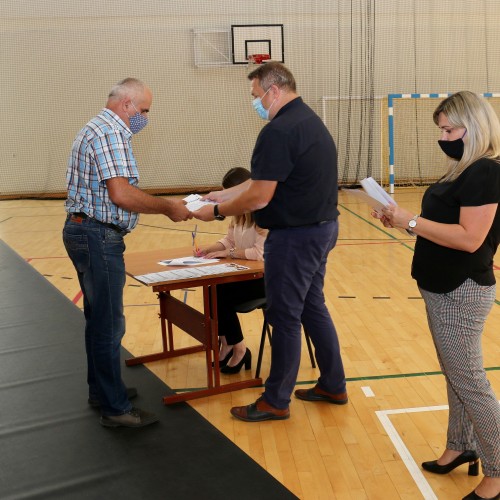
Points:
[(456, 321)]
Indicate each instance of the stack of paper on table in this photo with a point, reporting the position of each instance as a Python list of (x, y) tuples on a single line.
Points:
[(188, 273)]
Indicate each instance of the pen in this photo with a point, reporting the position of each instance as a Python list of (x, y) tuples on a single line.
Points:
[(195, 246), (238, 267)]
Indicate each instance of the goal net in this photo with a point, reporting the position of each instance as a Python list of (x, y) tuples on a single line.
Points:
[(415, 157)]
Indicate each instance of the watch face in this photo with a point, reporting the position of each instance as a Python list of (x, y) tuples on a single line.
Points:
[(412, 223)]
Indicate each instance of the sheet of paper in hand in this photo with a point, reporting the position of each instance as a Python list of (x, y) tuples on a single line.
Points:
[(372, 194), (194, 202)]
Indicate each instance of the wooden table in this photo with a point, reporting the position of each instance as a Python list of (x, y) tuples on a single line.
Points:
[(202, 326)]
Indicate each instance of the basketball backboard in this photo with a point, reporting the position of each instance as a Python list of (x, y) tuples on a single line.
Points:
[(249, 39)]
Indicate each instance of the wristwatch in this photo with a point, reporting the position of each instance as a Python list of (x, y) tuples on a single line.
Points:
[(412, 223), (217, 215), (231, 253)]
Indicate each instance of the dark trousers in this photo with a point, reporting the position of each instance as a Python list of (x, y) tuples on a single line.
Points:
[(97, 254), (228, 296), (295, 266)]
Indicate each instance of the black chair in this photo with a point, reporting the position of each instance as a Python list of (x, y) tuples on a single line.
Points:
[(251, 305)]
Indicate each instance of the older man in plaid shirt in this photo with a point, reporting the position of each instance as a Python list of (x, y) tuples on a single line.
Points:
[(103, 205)]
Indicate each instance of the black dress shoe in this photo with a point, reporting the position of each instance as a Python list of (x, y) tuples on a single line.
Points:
[(223, 362), (474, 496), (131, 394), (467, 456), (245, 360)]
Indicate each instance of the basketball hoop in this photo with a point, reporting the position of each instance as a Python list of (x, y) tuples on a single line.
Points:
[(258, 58)]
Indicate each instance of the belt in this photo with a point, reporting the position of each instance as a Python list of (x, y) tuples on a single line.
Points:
[(83, 215), (317, 223), (314, 224)]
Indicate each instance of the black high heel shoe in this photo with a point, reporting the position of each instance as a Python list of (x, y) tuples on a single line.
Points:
[(245, 360), (474, 496), (467, 456), (223, 362)]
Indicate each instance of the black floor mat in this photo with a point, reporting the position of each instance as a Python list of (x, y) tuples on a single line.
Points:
[(52, 445)]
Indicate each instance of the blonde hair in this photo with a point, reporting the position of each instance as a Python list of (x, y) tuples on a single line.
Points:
[(474, 113)]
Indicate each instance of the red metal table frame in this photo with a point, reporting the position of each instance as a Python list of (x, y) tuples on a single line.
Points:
[(202, 326)]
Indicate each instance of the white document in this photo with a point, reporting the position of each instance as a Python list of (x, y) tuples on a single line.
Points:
[(194, 202), (372, 194), (187, 261), (375, 196), (374, 190)]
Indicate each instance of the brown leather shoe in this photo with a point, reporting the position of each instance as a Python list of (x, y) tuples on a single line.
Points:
[(317, 394), (259, 411)]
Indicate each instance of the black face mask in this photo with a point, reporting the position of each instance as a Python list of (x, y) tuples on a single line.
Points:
[(453, 149)]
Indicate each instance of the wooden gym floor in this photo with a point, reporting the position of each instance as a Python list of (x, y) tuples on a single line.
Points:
[(396, 416)]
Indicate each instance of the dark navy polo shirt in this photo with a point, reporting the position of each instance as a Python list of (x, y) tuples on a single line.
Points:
[(296, 150)]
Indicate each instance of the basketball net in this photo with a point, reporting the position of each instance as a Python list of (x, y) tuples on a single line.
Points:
[(258, 58)]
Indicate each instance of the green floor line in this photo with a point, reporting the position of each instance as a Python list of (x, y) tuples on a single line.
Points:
[(400, 375), (354, 379), (377, 226)]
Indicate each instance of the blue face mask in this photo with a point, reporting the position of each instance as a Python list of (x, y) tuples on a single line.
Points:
[(259, 107), (137, 121)]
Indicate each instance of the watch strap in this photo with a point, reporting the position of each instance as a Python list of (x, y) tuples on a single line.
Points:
[(217, 215)]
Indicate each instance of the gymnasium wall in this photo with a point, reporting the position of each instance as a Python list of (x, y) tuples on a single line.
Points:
[(60, 58)]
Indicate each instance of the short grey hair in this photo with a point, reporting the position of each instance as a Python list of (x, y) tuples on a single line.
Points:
[(129, 87)]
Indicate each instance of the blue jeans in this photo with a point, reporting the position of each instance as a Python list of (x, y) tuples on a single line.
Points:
[(97, 254), (295, 265)]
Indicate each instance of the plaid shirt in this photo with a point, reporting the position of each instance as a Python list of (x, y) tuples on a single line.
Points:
[(101, 150)]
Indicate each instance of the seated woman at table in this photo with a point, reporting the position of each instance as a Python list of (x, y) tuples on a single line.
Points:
[(244, 240)]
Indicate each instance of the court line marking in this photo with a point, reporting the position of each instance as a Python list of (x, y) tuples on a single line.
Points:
[(367, 390), (404, 453)]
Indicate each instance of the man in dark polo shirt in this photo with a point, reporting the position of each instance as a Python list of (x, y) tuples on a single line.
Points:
[(293, 193)]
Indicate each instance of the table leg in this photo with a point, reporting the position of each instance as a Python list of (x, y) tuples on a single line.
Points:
[(192, 317), (202, 327)]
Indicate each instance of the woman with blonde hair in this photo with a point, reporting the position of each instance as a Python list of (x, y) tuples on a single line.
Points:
[(458, 232)]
